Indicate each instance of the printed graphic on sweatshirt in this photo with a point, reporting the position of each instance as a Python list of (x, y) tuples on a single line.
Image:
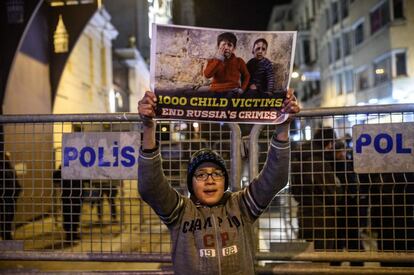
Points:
[(209, 240), (225, 251), (203, 224)]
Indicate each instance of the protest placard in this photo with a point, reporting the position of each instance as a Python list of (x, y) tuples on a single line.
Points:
[(220, 75)]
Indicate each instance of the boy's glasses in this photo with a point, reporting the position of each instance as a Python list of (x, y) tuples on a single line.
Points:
[(203, 176)]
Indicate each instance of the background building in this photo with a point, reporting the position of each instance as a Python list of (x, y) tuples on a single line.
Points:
[(60, 63), (131, 56), (360, 50), (131, 52), (86, 84)]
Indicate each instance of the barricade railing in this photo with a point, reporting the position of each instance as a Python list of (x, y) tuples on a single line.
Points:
[(367, 221), (33, 143), (105, 216)]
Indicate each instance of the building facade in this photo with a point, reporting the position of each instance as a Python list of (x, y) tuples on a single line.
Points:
[(62, 64), (86, 85), (131, 52), (359, 50)]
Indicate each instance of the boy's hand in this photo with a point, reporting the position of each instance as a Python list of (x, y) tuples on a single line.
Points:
[(146, 108), (220, 52), (290, 104), (289, 108), (221, 47)]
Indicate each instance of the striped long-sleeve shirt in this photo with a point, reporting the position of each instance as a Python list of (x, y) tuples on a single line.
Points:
[(261, 74)]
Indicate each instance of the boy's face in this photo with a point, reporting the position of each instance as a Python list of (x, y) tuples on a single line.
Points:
[(208, 183), (259, 50), (226, 48)]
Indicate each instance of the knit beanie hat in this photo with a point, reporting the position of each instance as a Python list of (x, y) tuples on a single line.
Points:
[(201, 156)]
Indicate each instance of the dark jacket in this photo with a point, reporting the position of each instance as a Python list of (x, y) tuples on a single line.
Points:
[(318, 192), (10, 187)]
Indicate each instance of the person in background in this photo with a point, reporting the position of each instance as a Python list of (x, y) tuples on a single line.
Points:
[(212, 231), (71, 195), (110, 190), (9, 192), (317, 190), (350, 221)]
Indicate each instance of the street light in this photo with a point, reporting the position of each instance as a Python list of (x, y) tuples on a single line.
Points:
[(295, 75)]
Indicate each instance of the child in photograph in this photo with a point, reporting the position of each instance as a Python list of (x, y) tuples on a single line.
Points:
[(262, 76), (229, 72)]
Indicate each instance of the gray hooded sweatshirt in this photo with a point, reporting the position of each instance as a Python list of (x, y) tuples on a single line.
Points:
[(216, 239)]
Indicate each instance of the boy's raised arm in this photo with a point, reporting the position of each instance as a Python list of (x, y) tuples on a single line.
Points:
[(152, 183), (274, 174)]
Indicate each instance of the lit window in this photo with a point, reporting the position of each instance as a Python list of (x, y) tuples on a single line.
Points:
[(382, 71)]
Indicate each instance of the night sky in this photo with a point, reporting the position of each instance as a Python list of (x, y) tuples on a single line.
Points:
[(235, 14)]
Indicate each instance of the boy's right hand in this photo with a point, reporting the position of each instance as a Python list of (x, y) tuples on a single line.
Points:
[(146, 108), (220, 51)]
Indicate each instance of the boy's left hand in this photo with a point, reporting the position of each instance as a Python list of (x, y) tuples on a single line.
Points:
[(289, 108)]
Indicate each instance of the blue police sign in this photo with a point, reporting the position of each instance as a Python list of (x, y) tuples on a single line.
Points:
[(100, 155), (387, 147)]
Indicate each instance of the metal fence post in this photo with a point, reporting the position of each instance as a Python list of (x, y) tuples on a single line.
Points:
[(254, 151), (235, 157)]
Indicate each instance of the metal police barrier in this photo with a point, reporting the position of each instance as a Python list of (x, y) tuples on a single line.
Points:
[(350, 198), (71, 194)]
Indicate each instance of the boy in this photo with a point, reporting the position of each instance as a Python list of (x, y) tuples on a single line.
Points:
[(212, 231), (262, 76), (225, 68)]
